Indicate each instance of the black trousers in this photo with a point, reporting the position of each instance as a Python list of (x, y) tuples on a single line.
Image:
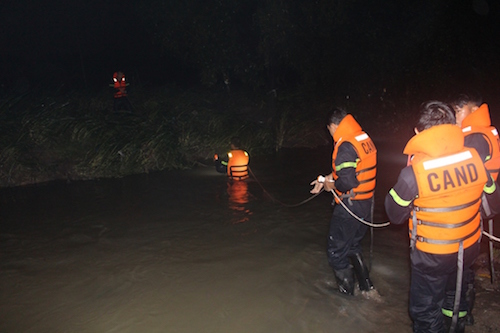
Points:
[(122, 104), (346, 233), (433, 285)]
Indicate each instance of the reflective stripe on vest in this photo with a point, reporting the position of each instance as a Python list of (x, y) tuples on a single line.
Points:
[(365, 165), (120, 85)]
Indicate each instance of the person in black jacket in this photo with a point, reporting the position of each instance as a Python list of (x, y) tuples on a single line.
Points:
[(439, 194), (353, 178)]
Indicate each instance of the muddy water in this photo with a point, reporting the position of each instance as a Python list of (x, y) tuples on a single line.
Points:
[(190, 251)]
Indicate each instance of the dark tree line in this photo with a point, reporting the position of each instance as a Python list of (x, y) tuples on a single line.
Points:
[(269, 43), (258, 44)]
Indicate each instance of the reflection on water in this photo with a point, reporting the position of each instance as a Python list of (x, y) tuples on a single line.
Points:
[(149, 254), (238, 200)]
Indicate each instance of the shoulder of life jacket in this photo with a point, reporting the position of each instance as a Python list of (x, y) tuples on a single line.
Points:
[(365, 165), (237, 164), (491, 136), (447, 208)]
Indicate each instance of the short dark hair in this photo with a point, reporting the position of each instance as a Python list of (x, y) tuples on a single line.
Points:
[(465, 98), (433, 113), (335, 116), (235, 141)]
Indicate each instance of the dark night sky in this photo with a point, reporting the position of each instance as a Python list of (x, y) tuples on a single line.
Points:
[(81, 43)]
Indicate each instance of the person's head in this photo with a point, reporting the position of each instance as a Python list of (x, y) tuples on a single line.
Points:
[(334, 118), (464, 105), (235, 142), (434, 113), (118, 76)]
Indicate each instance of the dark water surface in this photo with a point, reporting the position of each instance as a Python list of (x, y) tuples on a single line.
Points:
[(190, 251)]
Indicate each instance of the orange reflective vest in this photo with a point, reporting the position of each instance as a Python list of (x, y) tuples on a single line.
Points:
[(119, 84), (237, 165), (366, 165), (479, 122), (450, 179)]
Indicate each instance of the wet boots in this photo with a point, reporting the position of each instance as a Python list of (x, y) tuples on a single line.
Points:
[(361, 271), (345, 280), (345, 277), (460, 325)]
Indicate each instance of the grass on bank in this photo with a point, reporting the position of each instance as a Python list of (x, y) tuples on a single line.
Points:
[(44, 137)]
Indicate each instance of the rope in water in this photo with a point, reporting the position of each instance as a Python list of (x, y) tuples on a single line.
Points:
[(274, 199), (368, 223), (375, 225)]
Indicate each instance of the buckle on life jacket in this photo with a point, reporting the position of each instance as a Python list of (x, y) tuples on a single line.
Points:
[(349, 196), (413, 231)]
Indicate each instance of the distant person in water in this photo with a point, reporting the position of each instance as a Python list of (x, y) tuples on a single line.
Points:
[(235, 165), (121, 102)]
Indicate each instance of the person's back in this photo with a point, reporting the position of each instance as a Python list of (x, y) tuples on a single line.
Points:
[(120, 85), (121, 102), (450, 180), (439, 194), (236, 164)]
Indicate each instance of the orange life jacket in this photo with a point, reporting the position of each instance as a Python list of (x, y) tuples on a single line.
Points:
[(450, 180), (479, 122), (366, 165), (119, 84), (237, 165)]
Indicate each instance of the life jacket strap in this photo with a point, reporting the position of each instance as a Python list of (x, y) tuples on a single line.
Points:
[(365, 192), (365, 170), (447, 225), (446, 242), (366, 181), (494, 170), (458, 290), (413, 232), (446, 209), (239, 172), (348, 195)]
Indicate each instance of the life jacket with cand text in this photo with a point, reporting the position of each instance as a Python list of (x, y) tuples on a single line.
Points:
[(450, 179), (366, 164)]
